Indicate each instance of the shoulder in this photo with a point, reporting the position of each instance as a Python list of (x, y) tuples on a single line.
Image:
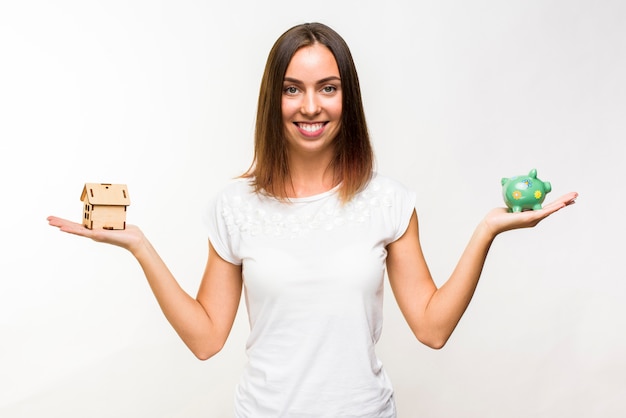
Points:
[(236, 186), (387, 187), (235, 194), (393, 203), (381, 181)]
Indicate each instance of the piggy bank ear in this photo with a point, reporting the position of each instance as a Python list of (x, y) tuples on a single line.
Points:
[(503, 181), (533, 173)]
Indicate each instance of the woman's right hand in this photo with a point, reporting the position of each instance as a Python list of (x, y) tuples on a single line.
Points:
[(130, 238)]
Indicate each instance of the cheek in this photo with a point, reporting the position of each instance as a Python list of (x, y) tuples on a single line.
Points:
[(287, 109), (336, 113), (336, 108)]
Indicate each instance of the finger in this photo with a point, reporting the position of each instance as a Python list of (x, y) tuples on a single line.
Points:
[(53, 220), (65, 225), (571, 198), (60, 222), (561, 202)]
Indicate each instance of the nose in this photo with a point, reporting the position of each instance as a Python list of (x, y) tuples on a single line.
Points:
[(310, 104)]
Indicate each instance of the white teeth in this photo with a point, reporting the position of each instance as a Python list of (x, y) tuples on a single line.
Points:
[(311, 127)]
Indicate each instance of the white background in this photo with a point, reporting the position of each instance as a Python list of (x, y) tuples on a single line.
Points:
[(161, 95)]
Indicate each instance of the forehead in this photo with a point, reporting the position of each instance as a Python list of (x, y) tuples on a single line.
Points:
[(313, 60)]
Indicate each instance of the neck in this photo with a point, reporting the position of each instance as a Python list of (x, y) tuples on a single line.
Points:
[(310, 178)]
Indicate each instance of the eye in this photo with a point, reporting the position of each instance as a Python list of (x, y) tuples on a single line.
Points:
[(291, 90), (329, 89)]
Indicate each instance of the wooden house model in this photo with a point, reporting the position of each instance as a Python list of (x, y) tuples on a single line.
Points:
[(104, 205)]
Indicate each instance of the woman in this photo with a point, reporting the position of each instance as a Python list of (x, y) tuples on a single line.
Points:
[(309, 231)]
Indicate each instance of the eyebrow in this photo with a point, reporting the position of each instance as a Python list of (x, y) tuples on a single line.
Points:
[(322, 81)]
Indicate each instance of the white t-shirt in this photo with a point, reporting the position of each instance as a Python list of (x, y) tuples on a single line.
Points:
[(313, 272)]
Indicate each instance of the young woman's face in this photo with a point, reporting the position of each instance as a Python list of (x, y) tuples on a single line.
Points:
[(311, 100)]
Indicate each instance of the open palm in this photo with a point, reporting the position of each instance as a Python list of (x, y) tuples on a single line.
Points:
[(129, 238), (500, 219)]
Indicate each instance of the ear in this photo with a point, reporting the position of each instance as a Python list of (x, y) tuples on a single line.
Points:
[(533, 173)]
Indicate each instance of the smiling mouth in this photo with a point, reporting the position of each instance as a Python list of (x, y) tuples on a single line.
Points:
[(311, 129)]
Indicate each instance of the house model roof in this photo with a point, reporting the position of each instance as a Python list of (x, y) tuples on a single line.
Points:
[(105, 194)]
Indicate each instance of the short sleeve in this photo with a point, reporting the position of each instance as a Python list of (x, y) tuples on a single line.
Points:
[(223, 237), (400, 203), (404, 208)]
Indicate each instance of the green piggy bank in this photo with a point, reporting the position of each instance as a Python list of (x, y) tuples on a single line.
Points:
[(524, 192)]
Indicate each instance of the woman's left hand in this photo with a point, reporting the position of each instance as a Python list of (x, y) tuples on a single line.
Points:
[(500, 219)]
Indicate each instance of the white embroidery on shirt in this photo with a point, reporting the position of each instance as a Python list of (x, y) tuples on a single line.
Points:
[(243, 216)]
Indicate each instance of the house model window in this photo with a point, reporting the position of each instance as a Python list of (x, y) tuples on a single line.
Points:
[(104, 205)]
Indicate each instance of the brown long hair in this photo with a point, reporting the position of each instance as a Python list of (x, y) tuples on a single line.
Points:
[(353, 161)]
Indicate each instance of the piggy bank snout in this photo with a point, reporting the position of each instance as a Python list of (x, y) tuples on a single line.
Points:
[(547, 186)]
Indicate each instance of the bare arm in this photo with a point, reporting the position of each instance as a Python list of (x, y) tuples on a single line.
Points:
[(432, 313), (202, 323)]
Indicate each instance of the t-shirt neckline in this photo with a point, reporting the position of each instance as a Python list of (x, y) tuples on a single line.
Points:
[(314, 197)]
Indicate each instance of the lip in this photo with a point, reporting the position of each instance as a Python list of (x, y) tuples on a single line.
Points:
[(311, 129)]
